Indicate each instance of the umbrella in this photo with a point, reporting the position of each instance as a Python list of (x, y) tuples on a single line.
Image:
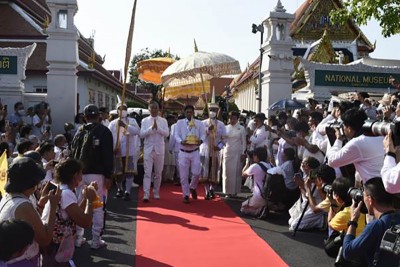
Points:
[(185, 90), (197, 67), (150, 70), (286, 104)]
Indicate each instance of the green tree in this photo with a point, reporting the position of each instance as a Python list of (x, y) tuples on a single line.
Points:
[(134, 75), (386, 12)]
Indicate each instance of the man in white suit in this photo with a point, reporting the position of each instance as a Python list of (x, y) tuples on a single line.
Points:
[(154, 129), (189, 156)]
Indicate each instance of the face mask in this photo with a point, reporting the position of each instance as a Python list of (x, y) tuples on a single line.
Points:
[(212, 114), (124, 114), (22, 112), (286, 127)]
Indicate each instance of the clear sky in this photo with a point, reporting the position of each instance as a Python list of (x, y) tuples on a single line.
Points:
[(217, 25)]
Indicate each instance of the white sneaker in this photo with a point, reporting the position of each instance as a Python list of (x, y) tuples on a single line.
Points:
[(98, 244), (135, 185), (156, 196), (79, 241)]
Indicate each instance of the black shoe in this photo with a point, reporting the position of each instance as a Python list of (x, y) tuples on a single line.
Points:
[(119, 194), (145, 200), (194, 193), (208, 196), (127, 196), (212, 194), (186, 200)]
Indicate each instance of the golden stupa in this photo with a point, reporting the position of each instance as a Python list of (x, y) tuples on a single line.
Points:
[(191, 138)]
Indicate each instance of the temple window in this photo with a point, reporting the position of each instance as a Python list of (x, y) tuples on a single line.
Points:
[(62, 19)]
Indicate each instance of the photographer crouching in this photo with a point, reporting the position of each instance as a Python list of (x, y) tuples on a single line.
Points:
[(368, 245)]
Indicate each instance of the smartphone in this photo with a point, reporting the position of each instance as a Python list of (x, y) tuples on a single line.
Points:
[(298, 175), (52, 187)]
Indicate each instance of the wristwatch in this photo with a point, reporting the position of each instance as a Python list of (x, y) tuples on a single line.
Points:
[(352, 223)]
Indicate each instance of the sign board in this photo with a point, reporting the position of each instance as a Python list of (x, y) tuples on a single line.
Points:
[(353, 79), (8, 65)]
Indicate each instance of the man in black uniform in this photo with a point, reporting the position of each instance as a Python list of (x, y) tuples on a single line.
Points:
[(93, 145)]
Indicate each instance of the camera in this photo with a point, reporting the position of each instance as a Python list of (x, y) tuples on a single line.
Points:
[(378, 128), (330, 130), (356, 194), (327, 189), (390, 243)]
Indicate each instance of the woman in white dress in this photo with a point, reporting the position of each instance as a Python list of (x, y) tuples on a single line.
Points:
[(233, 156)]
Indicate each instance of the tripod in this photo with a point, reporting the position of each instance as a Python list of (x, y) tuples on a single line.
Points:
[(304, 211)]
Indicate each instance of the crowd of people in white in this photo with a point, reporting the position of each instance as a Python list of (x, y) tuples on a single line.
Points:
[(304, 162)]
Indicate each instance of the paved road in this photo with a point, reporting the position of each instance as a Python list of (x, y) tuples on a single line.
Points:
[(303, 250)]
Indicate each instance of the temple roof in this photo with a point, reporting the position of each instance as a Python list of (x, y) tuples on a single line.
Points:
[(312, 18), (324, 52), (28, 18)]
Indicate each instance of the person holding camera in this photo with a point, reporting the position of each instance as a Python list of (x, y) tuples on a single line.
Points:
[(338, 216), (390, 171), (366, 246), (255, 204), (306, 183), (337, 219), (364, 151)]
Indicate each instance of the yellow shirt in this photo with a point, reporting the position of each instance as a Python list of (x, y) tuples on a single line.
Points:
[(340, 220)]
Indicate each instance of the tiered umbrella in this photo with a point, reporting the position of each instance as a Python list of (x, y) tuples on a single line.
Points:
[(196, 68), (150, 70)]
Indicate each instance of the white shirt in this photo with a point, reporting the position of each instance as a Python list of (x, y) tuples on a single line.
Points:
[(173, 145), (391, 175), (259, 138), (219, 127), (154, 139), (181, 131), (38, 131), (365, 152), (125, 135), (287, 171), (68, 198), (49, 173), (258, 178)]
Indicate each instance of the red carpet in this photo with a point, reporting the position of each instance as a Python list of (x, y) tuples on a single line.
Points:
[(202, 233)]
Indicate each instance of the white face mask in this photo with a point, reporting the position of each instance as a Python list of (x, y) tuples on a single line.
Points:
[(212, 114), (124, 114), (22, 112)]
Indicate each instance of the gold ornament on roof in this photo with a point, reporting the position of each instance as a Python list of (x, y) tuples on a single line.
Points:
[(91, 60), (46, 23)]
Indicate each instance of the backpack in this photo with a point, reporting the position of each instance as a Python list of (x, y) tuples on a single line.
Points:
[(84, 142)]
